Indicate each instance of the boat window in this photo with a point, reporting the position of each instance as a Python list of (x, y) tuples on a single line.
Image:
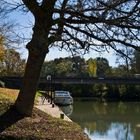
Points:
[(61, 93)]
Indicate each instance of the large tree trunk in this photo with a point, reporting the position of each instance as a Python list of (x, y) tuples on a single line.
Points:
[(38, 48), (25, 101)]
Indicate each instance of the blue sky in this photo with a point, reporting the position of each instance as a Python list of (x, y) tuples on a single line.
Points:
[(54, 53), (26, 21)]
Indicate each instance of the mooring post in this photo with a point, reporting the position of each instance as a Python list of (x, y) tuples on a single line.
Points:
[(49, 78), (61, 115)]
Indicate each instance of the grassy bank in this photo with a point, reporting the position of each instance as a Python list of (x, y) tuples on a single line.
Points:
[(40, 126)]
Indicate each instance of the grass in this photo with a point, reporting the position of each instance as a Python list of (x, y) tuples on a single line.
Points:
[(9, 94), (40, 126)]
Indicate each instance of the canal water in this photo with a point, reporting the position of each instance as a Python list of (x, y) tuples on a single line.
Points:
[(107, 121)]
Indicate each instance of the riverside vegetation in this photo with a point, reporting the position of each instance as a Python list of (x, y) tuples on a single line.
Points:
[(37, 127)]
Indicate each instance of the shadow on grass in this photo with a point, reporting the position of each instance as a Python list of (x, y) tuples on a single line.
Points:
[(10, 117)]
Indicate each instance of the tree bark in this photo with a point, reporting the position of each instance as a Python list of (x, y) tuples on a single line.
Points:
[(25, 101)]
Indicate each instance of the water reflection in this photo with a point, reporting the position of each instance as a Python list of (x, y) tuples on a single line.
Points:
[(108, 121), (67, 109)]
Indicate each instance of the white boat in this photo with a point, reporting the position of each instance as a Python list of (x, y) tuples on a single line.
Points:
[(63, 98)]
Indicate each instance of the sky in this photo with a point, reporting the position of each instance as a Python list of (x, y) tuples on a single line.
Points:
[(54, 53), (26, 21)]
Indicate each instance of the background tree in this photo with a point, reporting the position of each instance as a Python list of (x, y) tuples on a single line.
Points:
[(78, 67), (12, 64), (124, 58), (1, 49), (48, 68), (92, 67), (135, 63), (103, 68), (58, 67), (8, 38), (65, 67), (75, 25), (137, 56), (119, 71)]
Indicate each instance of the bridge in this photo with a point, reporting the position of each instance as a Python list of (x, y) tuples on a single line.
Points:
[(17, 81), (89, 80)]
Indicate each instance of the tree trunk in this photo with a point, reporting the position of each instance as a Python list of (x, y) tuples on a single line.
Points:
[(25, 101)]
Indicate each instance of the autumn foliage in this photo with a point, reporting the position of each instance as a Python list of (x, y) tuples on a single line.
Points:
[(1, 48)]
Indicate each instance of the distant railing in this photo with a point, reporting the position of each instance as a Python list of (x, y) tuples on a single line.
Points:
[(16, 82)]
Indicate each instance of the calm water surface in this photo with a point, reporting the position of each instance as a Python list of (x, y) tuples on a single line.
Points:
[(107, 121)]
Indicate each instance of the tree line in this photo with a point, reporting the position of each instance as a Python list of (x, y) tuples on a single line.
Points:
[(97, 67), (11, 64)]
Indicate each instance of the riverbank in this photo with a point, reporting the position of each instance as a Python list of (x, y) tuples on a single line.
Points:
[(40, 126)]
